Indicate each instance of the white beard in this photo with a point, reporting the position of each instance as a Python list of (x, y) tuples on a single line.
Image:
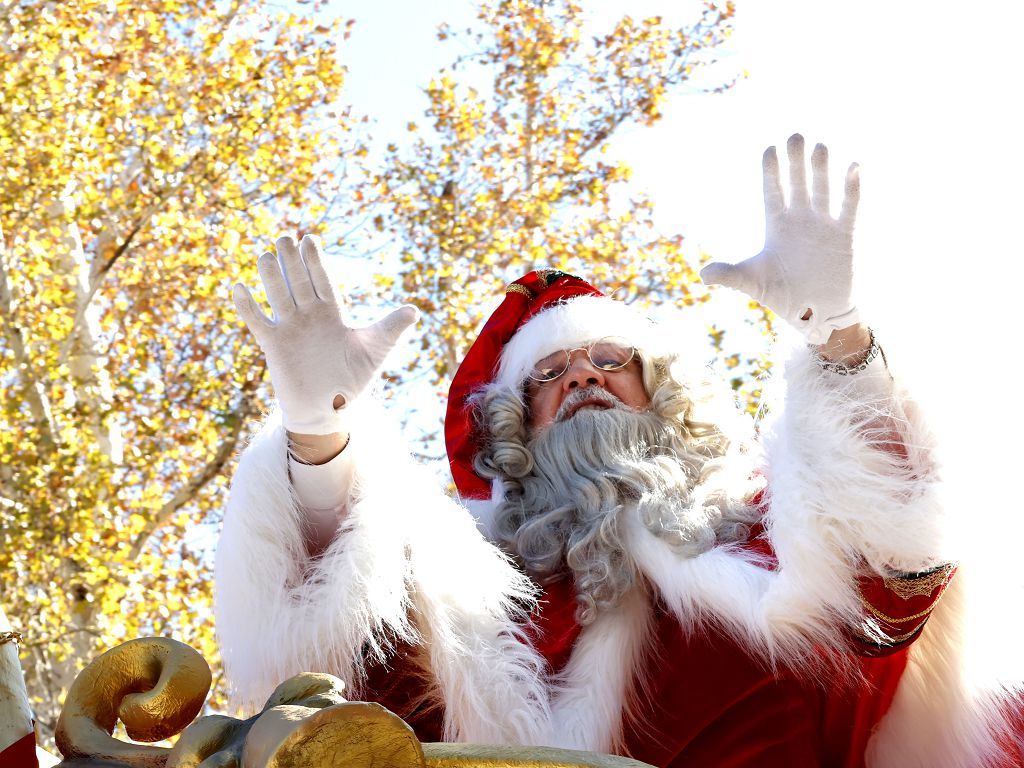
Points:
[(590, 472)]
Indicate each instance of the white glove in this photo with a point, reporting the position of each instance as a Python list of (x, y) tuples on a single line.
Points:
[(311, 354), (805, 272)]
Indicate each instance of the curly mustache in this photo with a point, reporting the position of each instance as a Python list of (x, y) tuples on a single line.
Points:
[(578, 397)]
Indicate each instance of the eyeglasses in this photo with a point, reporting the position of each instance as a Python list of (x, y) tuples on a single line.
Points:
[(607, 354)]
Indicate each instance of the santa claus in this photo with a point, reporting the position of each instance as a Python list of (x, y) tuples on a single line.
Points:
[(656, 583)]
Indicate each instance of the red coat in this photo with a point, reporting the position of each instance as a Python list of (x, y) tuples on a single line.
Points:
[(707, 702)]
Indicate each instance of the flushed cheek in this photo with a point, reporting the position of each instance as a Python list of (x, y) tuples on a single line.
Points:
[(543, 405), (634, 397), (628, 386)]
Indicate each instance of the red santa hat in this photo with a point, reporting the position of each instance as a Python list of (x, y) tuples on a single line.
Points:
[(543, 311)]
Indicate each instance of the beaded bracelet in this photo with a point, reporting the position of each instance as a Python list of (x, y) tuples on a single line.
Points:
[(842, 369)]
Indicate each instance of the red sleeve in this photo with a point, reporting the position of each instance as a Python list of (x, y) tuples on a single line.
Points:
[(403, 686), (897, 607)]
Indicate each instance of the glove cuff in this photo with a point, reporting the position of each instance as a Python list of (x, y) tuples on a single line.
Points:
[(314, 423), (817, 331)]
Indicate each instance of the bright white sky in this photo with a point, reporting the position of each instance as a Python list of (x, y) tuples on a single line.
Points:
[(920, 93)]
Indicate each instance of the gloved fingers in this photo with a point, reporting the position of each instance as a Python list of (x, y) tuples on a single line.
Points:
[(274, 284), (773, 202), (797, 172), (848, 216), (253, 317), (747, 276), (714, 273), (389, 328), (819, 180), (720, 273), (311, 253), (295, 273)]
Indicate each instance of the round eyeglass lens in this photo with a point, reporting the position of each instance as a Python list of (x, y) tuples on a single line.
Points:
[(551, 367), (610, 354), (607, 354)]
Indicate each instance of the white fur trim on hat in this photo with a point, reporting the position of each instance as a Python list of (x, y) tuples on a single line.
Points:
[(571, 324)]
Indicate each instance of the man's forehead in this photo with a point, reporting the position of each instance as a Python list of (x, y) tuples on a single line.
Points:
[(570, 325), (543, 352)]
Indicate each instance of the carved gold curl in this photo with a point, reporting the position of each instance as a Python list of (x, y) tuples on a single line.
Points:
[(154, 685), (486, 756), (306, 723)]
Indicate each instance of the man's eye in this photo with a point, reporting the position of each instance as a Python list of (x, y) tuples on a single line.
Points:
[(610, 356)]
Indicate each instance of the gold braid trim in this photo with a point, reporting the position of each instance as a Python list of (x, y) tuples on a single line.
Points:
[(889, 619), (892, 640), (10, 637), (517, 288), (922, 585), (900, 638)]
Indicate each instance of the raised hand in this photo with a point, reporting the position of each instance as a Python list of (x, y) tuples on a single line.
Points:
[(805, 271), (314, 358)]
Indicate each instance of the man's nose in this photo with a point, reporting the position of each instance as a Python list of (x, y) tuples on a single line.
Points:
[(582, 373)]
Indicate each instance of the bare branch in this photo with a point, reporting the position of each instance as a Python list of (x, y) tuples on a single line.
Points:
[(35, 393), (98, 272), (213, 468)]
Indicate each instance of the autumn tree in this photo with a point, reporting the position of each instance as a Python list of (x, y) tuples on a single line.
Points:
[(149, 149), (513, 171)]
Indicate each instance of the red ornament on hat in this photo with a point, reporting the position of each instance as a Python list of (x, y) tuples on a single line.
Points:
[(525, 298)]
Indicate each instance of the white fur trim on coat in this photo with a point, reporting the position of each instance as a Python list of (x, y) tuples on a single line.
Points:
[(949, 710), (407, 565), (591, 695), (842, 501)]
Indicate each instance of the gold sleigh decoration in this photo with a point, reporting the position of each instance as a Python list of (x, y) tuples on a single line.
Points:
[(156, 687)]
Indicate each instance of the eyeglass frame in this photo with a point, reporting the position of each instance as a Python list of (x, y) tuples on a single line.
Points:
[(588, 348)]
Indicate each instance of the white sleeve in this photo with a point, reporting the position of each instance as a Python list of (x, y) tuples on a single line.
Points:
[(858, 479), (322, 491), (852, 482), (395, 573), (279, 611)]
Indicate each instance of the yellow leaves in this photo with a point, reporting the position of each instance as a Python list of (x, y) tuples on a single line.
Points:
[(230, 240), (716, 334), (516, 174), (185, 147), (181, 149)]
